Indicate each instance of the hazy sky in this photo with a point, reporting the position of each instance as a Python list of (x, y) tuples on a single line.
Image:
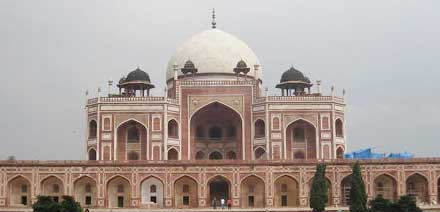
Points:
[(386, 54)]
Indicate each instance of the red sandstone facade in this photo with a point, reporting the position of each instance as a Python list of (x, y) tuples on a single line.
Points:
[(214, 134)]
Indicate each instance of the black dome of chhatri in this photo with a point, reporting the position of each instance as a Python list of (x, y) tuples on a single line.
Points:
[(241, 64), (189, 65), (137, 75), (294, 75)]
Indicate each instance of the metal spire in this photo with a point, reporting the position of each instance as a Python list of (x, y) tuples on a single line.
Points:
[(213, 19)]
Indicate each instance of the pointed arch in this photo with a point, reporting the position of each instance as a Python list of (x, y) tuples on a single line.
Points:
[(234, 131), (260, 153), (85, 191), (215, 155), (286, 191), (131, 135), (200, 155), (185, 192), (93, 129), (252, 192), (345, 189), (152, 191), (173, 129), (305, 141), (339, 128), (118, 192), (173, 154), (340, 152), (385, 185), (19, 191), (92, 154), (52, 186), (417, 186), (259, 129), (219, 186)]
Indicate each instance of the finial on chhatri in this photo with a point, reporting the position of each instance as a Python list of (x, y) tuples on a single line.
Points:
[(213, 19)]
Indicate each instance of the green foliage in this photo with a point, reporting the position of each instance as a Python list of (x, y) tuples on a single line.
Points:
[(408, 204), (358, 196), (405, 204), (380, 204), (318, 192), (46, 204), (69, 205)]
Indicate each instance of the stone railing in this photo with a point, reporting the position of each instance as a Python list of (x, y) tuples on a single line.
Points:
[(215, 83), (22, 163), (149, 99), (300, 99)]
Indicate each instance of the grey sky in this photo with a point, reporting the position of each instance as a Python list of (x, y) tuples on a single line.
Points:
[(384, 53)]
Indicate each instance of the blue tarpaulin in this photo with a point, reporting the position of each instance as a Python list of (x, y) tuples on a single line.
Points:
[(369, 154)]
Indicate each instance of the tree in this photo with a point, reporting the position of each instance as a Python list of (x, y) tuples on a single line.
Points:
[(318, 192), (69, 205), (408, 204), (11, 158), (380, 204), (46, 204), (358, 196)]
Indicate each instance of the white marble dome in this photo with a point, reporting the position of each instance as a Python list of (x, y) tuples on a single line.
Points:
[(214, 51)]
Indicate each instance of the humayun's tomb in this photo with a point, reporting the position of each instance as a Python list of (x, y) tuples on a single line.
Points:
[(215, 133)]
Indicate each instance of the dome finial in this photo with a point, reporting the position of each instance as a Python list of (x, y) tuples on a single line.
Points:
[(213, 19)]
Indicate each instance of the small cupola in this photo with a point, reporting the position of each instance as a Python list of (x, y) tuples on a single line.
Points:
[(241, 68), (189, 67), (294, 80), (135, 84)]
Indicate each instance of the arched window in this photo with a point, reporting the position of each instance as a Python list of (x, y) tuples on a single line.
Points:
[(106, 123), (232, 155), (299, 155), (156, 123), (325, 124), (260, 129), (340, 153), (133, 155), (260, 153), (92, 154), (133, 135), (173, 154), (299, 134), (93, 128), (153, 189), (339, 128), (200, 132), (215, 132), (200, 155), (215, 156), (276, 123), (173, 129)]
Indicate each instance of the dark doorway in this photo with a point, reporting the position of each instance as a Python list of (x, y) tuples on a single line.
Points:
[(251, 201), (283, 200), (215, 156), (120, 202), (218, 189)]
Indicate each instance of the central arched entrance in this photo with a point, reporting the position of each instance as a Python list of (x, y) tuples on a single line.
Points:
[(216, 126), (219, 188), (301, 140)]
